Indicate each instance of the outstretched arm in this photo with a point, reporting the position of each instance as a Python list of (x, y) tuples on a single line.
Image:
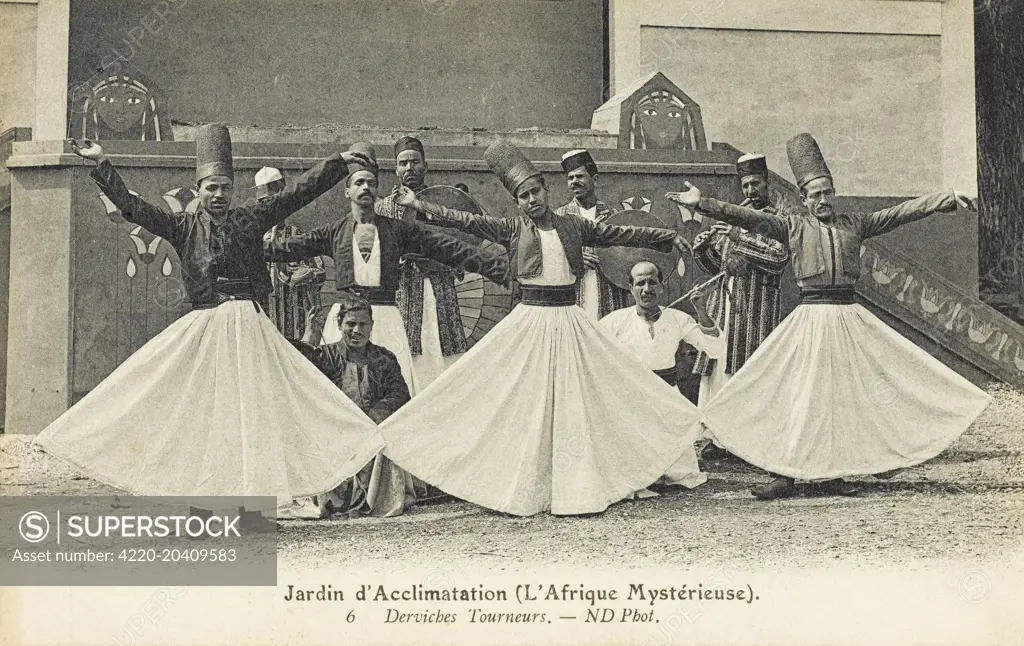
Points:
[(318, 242), (310, 185), (452, 252), (598, 234), (494, 229), (886, 220), (767, 224), (133, 208)]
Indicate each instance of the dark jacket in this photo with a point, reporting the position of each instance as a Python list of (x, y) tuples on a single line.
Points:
[(823, 253), (212, 249), (397, 238), (388, 390), (519, 236)]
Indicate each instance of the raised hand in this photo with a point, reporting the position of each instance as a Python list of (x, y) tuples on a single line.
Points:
[(966, 202), (91, 151), (404, 196), (359, 158), (689, 198), (314, 326)]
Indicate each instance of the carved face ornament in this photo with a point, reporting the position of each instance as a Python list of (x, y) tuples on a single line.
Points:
[(120, 103)]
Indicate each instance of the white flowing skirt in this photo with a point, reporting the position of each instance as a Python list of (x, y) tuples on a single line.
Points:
[(218, 404), (835, 392), (546, 412)]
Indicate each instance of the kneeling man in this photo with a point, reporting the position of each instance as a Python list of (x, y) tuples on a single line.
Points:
[(371, 377)]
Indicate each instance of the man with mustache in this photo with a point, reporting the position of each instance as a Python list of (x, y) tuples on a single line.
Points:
[(806, 404), (427, 298), (366, 249), (653, 333), (748, 302), (218, 403), (371, 377), (597, 295), (546, 412)]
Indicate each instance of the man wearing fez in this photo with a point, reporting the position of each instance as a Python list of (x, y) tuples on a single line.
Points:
[(219, 403), (367, 249), (748, 302), (295, 286), (595, 294), (370, 376), (426, 298), (546, 412), (806, 404)]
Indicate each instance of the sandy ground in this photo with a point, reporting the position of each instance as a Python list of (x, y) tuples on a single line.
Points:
[(966, 504)]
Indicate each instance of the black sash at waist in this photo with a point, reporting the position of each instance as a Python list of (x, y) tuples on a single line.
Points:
[(846, 295), (376, 295), (230, 289), (559, 296)]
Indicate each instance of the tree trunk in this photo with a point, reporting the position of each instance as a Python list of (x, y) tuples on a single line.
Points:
[(999, 56)]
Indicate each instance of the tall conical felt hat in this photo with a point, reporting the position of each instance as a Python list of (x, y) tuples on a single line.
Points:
[(805, 159), (509, 164), (213, 151)]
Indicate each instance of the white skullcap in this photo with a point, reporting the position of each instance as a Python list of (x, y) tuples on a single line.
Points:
[(267, 175)]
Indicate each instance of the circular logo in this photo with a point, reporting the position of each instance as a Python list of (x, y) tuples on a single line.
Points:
[(974, 587), (169, 293), (34, 526), (885, 392), (561, 461), (438, 579)]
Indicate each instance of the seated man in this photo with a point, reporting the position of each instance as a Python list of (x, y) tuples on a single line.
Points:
[(370, 376), (653, 334)]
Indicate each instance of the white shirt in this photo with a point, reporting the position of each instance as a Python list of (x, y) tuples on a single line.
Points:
[(366, 272), (589, 295), (655, 344), (555, 268)]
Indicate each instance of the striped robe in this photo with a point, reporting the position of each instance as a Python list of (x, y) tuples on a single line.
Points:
[(755, 264), (610, 296), (410, 295)]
